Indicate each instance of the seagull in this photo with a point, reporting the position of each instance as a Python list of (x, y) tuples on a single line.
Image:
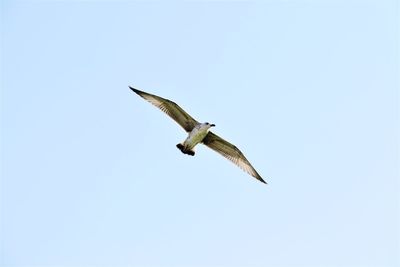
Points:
[(199, 133)]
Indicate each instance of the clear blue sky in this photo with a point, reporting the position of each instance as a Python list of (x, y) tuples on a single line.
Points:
[(90, 175)]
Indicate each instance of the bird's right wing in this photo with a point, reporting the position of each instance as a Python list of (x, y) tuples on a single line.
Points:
[(230, 152), (170, 108)]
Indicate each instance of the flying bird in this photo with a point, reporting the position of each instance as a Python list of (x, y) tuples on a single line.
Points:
[(199, 133)]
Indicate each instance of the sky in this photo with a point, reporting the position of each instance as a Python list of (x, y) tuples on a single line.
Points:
[(308, 90)]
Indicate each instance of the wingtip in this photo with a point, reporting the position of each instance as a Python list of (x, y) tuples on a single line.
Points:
[(135, 90), (258, 177)]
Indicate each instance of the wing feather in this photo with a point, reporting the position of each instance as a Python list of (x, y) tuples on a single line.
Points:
[(230, 152), (170, 108)]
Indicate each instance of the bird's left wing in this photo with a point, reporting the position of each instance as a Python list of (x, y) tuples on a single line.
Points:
[(170, 108), (230, 152)]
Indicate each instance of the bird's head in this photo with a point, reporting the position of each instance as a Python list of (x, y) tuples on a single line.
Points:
[(209, 125)]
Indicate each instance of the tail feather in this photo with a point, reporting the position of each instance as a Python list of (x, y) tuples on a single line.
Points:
[(182, 148)]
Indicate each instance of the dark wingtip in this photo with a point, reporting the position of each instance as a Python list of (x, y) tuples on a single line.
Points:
[(261, 180), (135, 90)]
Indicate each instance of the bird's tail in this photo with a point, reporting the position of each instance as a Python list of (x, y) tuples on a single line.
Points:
[(184, 150)]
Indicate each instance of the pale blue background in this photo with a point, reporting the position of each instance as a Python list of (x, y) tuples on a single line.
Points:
[(309, 90)]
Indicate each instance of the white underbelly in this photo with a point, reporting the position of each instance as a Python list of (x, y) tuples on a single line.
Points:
[(195, 136)]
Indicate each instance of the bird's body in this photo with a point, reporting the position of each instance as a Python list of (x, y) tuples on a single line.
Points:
[(195, 137), (199, 133)]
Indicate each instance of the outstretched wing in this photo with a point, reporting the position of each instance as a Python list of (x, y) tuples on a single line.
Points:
[(170, 108), (230, 152)]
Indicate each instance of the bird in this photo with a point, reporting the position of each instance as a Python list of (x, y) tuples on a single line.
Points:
[(199, 133)]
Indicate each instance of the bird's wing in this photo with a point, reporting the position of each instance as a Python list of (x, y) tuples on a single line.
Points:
[(230, 152), (170, 108)]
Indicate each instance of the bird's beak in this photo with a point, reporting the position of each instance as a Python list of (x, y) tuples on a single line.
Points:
[(212, 125)]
